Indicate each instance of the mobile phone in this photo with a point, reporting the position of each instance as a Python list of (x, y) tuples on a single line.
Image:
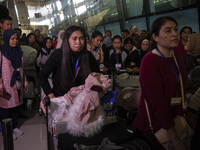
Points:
[(6, 95)]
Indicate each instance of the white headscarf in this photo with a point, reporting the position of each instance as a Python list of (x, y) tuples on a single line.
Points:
[(59, 39)]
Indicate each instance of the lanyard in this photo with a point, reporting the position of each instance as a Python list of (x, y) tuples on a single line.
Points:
[(95, 54), (177, 75), (75, 66), (117, 55)]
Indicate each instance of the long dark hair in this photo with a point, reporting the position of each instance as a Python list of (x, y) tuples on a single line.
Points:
[(67, 75), (28, 36), (128, 40), (95, 34), (45, 41), (117, 37), (156, 26)]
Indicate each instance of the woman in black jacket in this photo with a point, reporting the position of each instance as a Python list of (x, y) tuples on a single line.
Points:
[(70, 65)]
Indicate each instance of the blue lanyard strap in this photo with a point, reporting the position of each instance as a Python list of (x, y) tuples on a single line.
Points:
[(117, 55), (75, 66), (177, 75), (95, 54)]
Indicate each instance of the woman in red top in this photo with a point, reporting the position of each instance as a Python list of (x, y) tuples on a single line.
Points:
[(182, 44), (160, 82)]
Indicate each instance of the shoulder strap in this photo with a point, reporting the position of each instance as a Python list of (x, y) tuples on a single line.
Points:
[(181, 84), (148, 115)]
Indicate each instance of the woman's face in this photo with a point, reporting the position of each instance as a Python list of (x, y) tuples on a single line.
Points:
[(48, 43), (37, 33), (62, 35), (168, 36), (13, 40), (116, 44), (31, 39), (54, 38), (185, 34), (76, 41), (145, 45), (128, 46), (40, 39), (97, 41)]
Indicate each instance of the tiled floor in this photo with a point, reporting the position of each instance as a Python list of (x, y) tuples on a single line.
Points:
[(34, 127)]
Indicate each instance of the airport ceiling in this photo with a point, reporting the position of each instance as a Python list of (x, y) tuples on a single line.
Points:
[(39, 3)]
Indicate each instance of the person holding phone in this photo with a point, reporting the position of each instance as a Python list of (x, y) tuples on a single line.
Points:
[(12, 81)]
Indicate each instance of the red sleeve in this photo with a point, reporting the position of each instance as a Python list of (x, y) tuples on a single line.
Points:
[(55, 44)]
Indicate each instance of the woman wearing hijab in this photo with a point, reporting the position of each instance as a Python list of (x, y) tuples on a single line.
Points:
[(11, 80), (137, 55), (59, 41)]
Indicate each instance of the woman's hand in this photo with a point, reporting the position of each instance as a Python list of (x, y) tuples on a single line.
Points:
[(136, 69), (26, 89), (104, 69), (178, 145), (129, 70), (1, 91), (118, 69), (51, 95), (43, 107)]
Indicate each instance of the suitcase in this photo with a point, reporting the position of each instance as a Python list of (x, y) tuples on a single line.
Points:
[(132, 81)]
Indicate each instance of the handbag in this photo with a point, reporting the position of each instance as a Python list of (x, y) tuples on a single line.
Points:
[(182, 128)]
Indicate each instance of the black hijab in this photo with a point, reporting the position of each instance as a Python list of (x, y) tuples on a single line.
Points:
[(14, 54), (142, 52)]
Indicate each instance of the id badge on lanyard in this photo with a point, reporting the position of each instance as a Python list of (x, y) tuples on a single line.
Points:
[(176, 100), (118, 65)]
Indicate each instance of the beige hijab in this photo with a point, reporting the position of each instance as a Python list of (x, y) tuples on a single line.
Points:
[(194, 44)]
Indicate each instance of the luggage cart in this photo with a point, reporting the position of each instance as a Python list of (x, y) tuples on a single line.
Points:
[(53, 127)]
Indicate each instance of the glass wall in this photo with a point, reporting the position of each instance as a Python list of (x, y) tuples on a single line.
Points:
[(190, 18), (133, 8), (139, 22), (114, 28), (162, 5), (117, 15)]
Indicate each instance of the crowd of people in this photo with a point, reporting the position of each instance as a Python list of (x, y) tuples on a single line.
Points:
[(164, 63)]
